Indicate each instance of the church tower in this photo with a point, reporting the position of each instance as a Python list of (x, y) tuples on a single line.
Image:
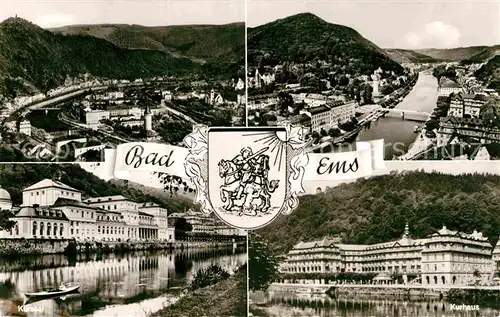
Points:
[(148, 119)]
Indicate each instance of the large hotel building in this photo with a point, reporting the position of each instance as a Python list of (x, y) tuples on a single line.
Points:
[(444, 258), (55, 211)]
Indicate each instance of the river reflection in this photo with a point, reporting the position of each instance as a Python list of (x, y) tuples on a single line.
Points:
[(132, 284), (321, 305)]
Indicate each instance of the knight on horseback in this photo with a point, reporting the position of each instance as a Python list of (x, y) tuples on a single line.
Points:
[(246, 166)]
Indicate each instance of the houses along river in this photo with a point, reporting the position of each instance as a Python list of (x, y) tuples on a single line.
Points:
[(132, 284), (398, 134)]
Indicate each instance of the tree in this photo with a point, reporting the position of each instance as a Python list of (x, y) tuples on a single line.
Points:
[(323, 132), (367, 94), (477, 277), (182, 227), (92, 156), (334, 132), (285, 100), (5, 222), (262, 263), (431, 124)]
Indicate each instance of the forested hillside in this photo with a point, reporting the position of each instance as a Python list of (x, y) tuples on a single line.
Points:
[(375, 210)]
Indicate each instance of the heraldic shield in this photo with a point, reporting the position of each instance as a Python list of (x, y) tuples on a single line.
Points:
[(252, 174)]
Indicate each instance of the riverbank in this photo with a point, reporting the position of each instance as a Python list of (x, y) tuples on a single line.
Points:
[(9, 247), (389, 291), (226, 298)]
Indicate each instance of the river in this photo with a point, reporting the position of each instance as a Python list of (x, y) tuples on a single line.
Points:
[(397, 133), (308, 305), (133, 284)]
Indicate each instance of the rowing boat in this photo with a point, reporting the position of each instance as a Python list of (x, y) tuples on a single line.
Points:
[(54, 292)]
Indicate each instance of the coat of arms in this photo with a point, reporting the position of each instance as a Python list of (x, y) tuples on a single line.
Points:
[(247, 176)]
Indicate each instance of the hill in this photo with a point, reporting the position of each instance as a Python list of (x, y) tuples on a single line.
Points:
[(490, 73), (475, 53), (375, 210), (409, 56), (15, 177), (305, 38), (200, 43), (34, 58)]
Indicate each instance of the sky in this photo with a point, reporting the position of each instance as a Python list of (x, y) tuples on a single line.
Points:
[(407, 24), (445, 167), (56, 13)]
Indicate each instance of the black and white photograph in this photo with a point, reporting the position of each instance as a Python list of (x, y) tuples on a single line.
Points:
[(73, 244), (420, 239), (79, 77), (422, 75)]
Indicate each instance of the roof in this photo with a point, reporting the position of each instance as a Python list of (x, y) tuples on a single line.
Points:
[(447, 83), (4, 195), (64, 202), (336, 103), (317, 110), (473, 236), (300, 118), (46, 183), (106, 199), (325, 242), (40, 212)]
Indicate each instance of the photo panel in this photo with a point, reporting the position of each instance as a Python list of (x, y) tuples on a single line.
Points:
[(86, 76), (420, 75), (75, 244), (397, 103), (88, 236)]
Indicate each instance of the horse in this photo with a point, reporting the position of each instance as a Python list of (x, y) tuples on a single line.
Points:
[(228, 171)]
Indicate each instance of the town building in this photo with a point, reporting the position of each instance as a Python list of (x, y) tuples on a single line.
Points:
[(330, 115), (467, 105), (148, 120), (457, 258), (447, 87), (262, 101), (480, 129), (24, 127), (443, 258), (205, 223), (496, 256), (5, 201), (54, 210)]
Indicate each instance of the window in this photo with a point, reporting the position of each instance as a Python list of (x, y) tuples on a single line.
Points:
[(41, 229), (34, 228), (61, 229), (55, 229), (48, 229)]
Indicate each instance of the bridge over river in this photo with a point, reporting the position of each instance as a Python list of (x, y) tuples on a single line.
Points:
[(411, 115)]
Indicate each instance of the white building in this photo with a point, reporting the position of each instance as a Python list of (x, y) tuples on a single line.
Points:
[(49, 205), (448, 87), (24, 127), (205, 223), (330, 115), (467, 105), (443, 258)]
